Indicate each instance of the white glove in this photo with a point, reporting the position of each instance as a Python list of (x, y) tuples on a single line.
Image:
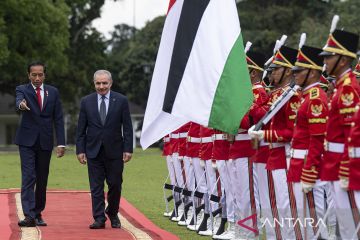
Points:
[(202, 164), (251, 132), (260, 134), (344, 183), (256, 134), (306, 187)]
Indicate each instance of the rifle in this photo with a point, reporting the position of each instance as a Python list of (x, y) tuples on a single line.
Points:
[(275, 108)]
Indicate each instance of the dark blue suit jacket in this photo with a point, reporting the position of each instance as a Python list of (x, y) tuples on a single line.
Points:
[(116, 135), (36, 123)]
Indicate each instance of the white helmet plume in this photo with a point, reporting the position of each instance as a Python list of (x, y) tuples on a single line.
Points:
[(247, 46), (302, 40), (334, 22), (282, 40)]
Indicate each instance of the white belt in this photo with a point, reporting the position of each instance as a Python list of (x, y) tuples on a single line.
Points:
[(354, 152), (277, 145), (242, 130), (167, 139), (263, 143), (298, 153), (179, 135), (242, 137), (334, 147), (193, 139), (219, 137), (206, 140)]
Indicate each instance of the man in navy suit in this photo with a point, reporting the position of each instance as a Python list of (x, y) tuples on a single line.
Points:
[(41, 111), (105, 143)]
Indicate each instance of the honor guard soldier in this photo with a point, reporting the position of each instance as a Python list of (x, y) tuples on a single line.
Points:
[(205, 227), (279, 136), (167, 152), (339, 52), (307, 143), (220, 158), (354, 156), (176, 140), (192, 152), (243, 175)]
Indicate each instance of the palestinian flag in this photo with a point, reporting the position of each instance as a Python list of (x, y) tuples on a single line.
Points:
[(200, 73)]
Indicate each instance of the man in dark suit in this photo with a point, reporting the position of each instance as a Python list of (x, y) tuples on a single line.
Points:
[(41, 111), (105, 143)]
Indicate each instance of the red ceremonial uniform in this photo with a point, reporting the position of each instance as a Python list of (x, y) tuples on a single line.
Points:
[(167, 150), (280, 131), (193, 141), (183, 132), (221, 146), (308, 139), (354, 152), (259, 108), (341, 112), (241, 147), (206, 143)]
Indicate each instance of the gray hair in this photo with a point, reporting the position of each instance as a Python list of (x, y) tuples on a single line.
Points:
[(102, 72)]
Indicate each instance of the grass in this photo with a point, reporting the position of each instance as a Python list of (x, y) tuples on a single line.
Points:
[(144, 176)]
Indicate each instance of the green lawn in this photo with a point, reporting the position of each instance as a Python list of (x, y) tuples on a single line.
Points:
[(143, 179)]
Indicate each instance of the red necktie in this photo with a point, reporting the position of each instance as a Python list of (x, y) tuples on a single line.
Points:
[(38, 89)]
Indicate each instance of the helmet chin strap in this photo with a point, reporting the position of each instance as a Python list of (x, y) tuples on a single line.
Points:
[(335, 66), (282, 75), (306, 79)]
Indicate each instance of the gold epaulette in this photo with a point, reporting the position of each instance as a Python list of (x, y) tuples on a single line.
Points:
[(347, 81), (314, 93)]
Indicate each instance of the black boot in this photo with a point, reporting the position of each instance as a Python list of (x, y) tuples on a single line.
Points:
[(176, 210), (186, 209), (221, 227), (197, 211), (203, 225)]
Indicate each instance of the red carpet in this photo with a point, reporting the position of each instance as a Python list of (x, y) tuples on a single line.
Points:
[(68, 214)]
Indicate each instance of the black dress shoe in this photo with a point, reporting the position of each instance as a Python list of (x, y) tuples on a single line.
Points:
[(115, 221), (27, 222), (97, 225), (40, 222)]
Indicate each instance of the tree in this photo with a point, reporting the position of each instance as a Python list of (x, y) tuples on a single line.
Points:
[(264, 21), (31, 30), (132, 59)]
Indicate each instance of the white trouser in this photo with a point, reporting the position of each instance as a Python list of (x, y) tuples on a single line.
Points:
[(199, 175), (172, 176), (282, 197), (171, 169), (211, 186), (262, 198), (189, 173), (330, 201), (313, 220), (245, 203), (178, 170), (226, 184), (343, 211), (357, 199)]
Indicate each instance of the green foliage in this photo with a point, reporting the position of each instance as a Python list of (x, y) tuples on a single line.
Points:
[(293, 17), (275, 18), (31, 30), (130, 64)]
